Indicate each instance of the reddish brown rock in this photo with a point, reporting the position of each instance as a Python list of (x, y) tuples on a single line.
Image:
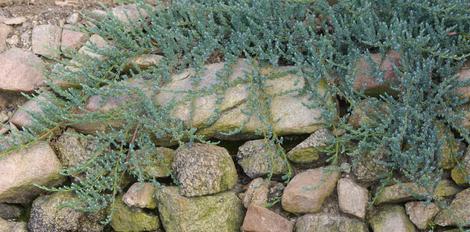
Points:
[(365, 79), (259, 219), (308, 190), (45, 40), (257, 193), (352, 197), (20, 71), (72, 40), (22, 117)]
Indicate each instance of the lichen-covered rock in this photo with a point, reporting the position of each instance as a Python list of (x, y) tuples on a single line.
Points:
[(368, 112), (403, 192), (140, 195), (309, 149), (307, 191), (461, 172), (260, 219), (126, 218), (20, 71), (391, 218), (10, 212), (327, 222), (367, 168), (421, 213), (45, 40), (352, 198), (20, 171), (257, 193), (449, 149), (222, 212), (203, 169), (49, 215), (257, 158), (457, 214), (73, 148), (157, 165), (7, 226)]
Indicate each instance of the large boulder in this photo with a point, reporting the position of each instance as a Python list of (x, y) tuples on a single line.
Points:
[(48, 214), (457, 214), (203, 169), (20, 71), (213, 213), (125, 218), (259, 158), (391, 218), (260, 219), (307, 191), (20, 171), (216, 113)]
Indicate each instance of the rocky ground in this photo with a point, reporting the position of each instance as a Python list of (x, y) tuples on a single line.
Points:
[(220, 188)]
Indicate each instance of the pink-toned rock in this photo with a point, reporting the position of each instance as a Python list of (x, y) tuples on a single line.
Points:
[(14, 20), (259, 219), (365, 79), (72, 40), (464, 75), (421, 213), (128, 13), (257, 193), (352, 197), (22, 117), (4, 32), (21, 171), (45, 40), (140, 195), (20, 71), (94, 41), (308, 190)]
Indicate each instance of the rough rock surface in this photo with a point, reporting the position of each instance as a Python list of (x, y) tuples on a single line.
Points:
[(257, 193), (94, 41), (140, 195), (46, 40), (203, 169), (9, 212), (309, 149), (19, 171), (391, 218), (72, 41), (367, 169), (421, 213), (22, 117), (126, 219), (158, 164), (327, 222), (260, 219), (257, 158), (457, 214), (218, 212), (5, 30), (73, 148), (20, 70), (12, 226), (352, 198), (461, 173), (307, 191), (48, 215)]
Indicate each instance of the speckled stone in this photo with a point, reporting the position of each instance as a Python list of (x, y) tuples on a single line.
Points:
[(309, 149), (258, 159), (203, 169)]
